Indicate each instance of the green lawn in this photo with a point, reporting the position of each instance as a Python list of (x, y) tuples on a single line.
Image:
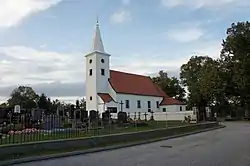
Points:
[(22, 138)]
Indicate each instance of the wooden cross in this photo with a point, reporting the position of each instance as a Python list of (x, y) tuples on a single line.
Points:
[(121, 106)]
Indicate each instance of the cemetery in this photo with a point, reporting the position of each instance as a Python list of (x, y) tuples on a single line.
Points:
[(19, 126)]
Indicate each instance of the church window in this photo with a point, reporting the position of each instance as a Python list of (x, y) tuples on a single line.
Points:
[(90, 97), (90, 72), (127, 103), (138, 104), (102, 60), (103, 72), (157, 104), (180, 108), (164, 110), (90, 61), (149, 104)]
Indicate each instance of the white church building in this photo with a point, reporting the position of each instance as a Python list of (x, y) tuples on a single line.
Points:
[(116, 91)]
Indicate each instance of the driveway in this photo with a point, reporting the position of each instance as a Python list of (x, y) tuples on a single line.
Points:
[(229, 146)]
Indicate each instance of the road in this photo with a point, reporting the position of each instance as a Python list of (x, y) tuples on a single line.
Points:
[(229, 146)]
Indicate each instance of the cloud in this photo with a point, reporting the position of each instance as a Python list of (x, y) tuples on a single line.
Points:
[(121, 16), (212, 4), (125, 2), (12, 12), (54, 89), (54, 73), (184, 33), (63, 75), (23, 65)]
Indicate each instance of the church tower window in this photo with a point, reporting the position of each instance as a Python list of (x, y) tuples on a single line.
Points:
[(102, 60), (102, 72), (90, 61), (90, 72)]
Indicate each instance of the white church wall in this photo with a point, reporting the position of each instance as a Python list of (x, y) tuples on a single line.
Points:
[(172, 116), (173, 108), (102, 107), (102, 62), (112, 92), (133, 102), (91, 91), (163, 116)]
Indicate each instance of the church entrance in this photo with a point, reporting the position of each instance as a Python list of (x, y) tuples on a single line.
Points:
[(112, 109)]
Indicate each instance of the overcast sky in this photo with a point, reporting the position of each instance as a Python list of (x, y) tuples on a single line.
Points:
[(43, 42)]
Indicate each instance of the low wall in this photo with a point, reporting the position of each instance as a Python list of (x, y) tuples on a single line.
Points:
[(91, 142), (163, 116)]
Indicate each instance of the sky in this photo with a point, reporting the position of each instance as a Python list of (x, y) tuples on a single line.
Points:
[(43, 42)]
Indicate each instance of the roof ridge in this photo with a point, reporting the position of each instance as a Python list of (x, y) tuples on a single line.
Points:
[(130, 73)]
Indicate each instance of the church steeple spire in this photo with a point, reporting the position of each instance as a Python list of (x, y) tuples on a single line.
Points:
[(97, 41)]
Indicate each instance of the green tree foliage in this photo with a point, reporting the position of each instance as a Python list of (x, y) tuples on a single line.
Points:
[(44, 102), (24, 96), (77, 104), (83, 104), (211, 83), (3, 105), (191, 78), (235, 57), (170, 85)]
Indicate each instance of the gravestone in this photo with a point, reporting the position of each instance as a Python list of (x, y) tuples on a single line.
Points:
[(60, 111), (51, 122), (122, 117), (77, 118), (36, 114)]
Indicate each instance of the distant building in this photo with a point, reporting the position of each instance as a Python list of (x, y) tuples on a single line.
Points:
[(115, 90)]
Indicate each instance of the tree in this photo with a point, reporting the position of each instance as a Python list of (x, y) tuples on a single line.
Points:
[(83, 104), (3, 105), (171, 86), (24, 96), (211, 83), (43, 102), (190, 75), (235, 56), (77, 104)]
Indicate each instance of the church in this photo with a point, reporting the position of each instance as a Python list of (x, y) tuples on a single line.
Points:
[(116, 91)]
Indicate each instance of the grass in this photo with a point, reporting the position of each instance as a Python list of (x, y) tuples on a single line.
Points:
[(23, 138)]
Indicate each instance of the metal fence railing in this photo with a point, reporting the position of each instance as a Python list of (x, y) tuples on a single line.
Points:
[(22, 128)]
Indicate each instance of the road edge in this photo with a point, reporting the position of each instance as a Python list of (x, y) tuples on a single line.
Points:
[(108, 148)]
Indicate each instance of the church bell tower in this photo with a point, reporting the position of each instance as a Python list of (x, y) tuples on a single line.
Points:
[(97, 71)]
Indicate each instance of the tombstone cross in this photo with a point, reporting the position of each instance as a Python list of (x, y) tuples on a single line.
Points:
[(121, 106)]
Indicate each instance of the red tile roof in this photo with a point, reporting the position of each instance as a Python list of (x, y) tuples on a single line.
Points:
[(128, 83), (105, 97), (171, 101)]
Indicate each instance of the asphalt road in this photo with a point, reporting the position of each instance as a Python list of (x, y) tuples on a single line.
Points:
[(229, 146)]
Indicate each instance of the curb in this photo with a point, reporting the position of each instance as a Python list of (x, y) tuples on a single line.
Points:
[(82, 152)]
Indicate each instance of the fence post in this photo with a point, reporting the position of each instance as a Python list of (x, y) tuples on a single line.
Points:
[(166, 120)]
